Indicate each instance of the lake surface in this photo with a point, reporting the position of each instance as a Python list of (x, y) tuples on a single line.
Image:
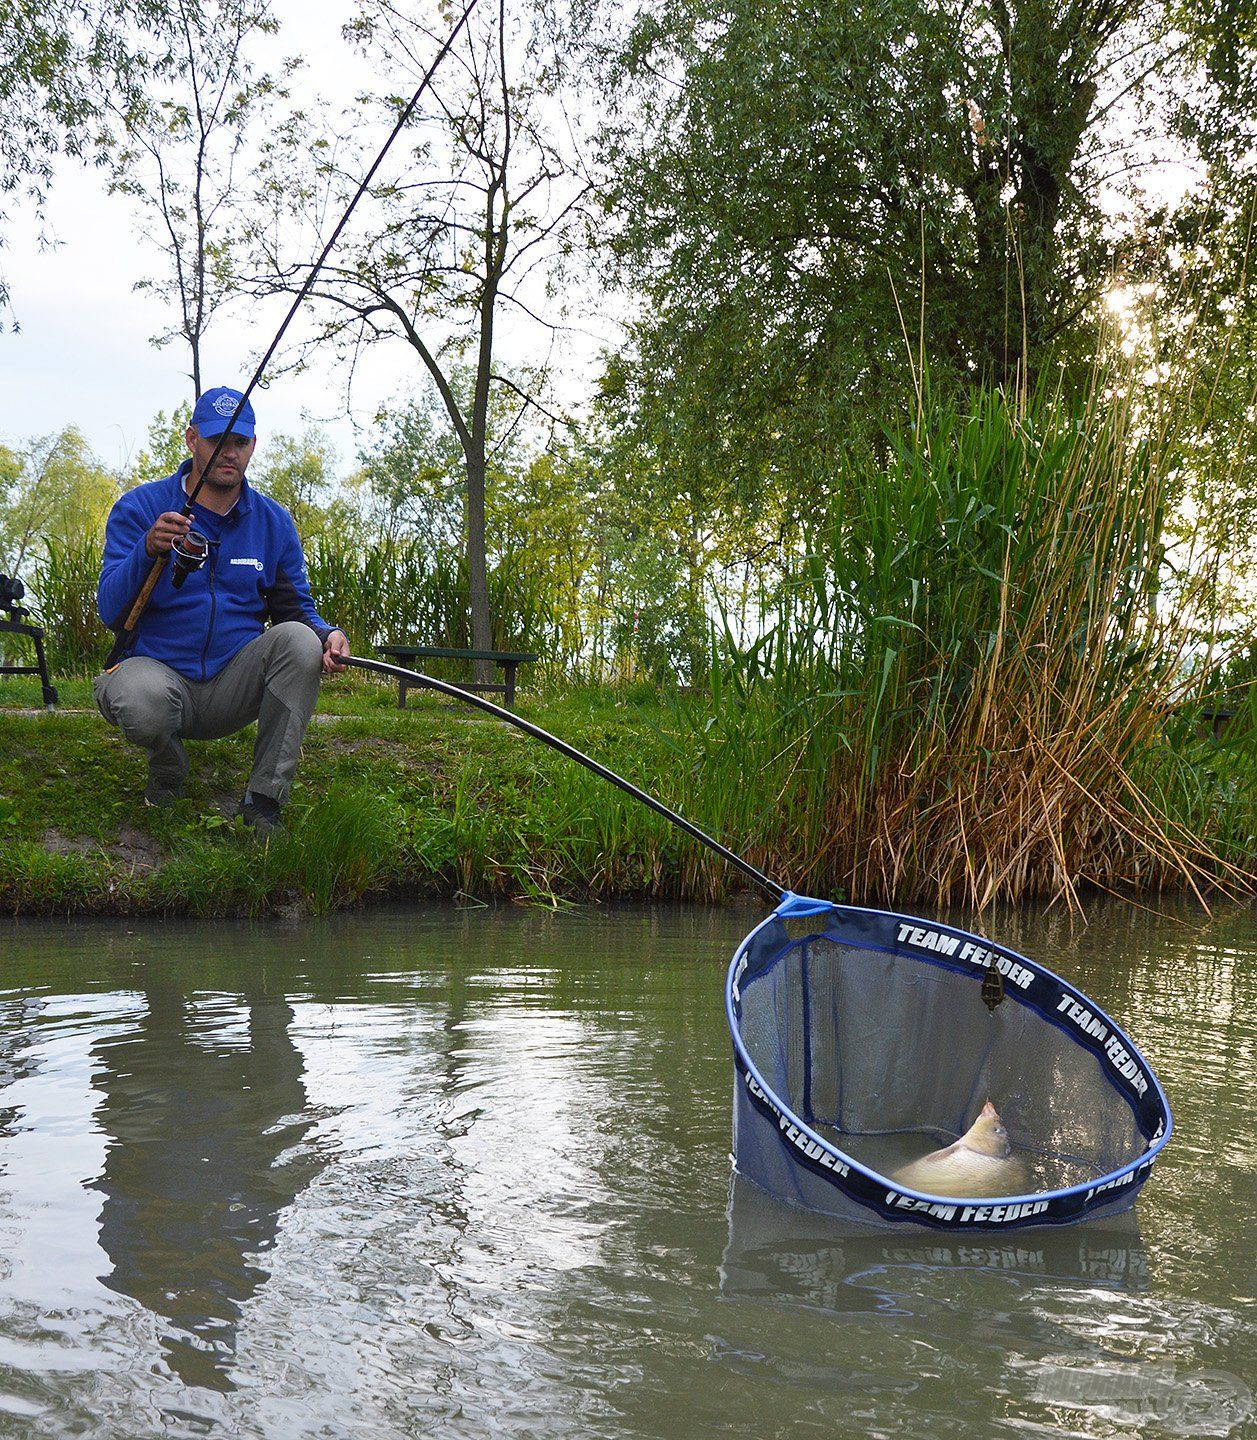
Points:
[(465, 1173)]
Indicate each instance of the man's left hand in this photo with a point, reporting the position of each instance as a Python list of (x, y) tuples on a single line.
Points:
[(334, 647)]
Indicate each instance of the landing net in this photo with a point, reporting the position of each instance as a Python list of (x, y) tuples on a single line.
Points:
[(861, 1043)]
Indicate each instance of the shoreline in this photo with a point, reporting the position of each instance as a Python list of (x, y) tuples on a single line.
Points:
[(436, 803)]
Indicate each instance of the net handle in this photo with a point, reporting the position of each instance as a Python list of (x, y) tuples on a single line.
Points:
[(778, 892)]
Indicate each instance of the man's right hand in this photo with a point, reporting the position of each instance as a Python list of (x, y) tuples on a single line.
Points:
[(166, 529)]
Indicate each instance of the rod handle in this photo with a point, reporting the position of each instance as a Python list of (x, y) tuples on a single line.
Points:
[(141, 600)]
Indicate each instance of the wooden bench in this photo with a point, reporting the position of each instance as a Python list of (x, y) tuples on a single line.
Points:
[(508, 661)]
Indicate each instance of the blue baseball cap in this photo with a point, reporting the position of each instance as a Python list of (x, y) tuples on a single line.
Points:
[(215, 409)]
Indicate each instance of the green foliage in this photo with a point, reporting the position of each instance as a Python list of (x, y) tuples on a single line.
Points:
[(1187, 315), (64, 603), (54, 497), (298, 471), (922, 187), (36, 881), (338, 849), (63, 65), (410, 481), (52, 492), (166, 448), (1220, 121), (544, 538), (414, 593)]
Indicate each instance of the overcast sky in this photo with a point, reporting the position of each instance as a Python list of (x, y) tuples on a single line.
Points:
[(83, 353)]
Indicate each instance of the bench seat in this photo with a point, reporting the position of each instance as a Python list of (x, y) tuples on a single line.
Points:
[(508, 661)]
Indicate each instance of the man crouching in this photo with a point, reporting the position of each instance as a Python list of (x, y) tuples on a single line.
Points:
[(238, 640)]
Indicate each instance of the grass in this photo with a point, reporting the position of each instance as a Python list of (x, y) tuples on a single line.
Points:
[(435, 801)]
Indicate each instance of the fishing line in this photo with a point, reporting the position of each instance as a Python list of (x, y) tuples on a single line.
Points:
[(778, 892), (190, 559)]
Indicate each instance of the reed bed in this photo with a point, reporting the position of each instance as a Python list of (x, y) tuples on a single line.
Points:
[(63, 599), (413, 592), (972, 688), (410, 592)]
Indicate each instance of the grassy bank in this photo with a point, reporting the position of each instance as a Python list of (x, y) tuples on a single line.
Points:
[(436, 801), (975, 675)]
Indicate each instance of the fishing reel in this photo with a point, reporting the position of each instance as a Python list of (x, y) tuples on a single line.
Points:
[(189, 552), (11, 592)]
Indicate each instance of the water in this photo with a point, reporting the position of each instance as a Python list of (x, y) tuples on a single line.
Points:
[(465, 1173)]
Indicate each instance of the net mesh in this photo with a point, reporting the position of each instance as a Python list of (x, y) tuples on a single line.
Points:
[(886, 1057)]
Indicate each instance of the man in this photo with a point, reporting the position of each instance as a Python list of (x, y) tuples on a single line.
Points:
[(203, 663)]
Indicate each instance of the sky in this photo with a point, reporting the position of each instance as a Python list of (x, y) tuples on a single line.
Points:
[(81, 350)]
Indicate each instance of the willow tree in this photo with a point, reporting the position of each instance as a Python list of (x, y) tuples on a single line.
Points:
[(463, 233), (53, 491), (817, 200)]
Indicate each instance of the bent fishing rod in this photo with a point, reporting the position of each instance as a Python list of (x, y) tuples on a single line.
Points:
[(455, 692), (189, 556)]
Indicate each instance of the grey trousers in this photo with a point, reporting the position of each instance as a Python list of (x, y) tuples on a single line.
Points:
[(273, 680)]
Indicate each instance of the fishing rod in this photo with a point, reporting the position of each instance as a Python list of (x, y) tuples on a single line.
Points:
[(191, 550), (778, 892)]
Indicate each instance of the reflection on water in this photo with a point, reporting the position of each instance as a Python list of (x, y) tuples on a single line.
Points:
[(466, 1173), (201, 1108), (779, 1252), (18, 1016)]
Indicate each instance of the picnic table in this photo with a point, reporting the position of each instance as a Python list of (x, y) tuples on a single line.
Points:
[(508, 661)]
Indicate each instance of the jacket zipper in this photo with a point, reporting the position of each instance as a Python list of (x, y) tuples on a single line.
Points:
[(209, 629)]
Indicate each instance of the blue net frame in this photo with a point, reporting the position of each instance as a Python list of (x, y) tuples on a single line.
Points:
[(863, 1041)]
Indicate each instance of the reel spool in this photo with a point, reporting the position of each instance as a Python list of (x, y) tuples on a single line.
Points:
[(190, 552)]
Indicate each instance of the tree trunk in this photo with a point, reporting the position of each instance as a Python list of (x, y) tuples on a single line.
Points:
[(477, 565)]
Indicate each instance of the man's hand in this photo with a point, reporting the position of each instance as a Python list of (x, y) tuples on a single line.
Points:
[(336, 645), (166, 529)]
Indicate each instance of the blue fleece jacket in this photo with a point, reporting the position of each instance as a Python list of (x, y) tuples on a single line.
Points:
[(255, 574)]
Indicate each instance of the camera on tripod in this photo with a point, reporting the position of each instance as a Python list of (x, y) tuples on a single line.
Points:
[(13, 621), (11, 592)]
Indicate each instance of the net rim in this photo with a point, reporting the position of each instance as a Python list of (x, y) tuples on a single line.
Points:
[(1101, 1187)]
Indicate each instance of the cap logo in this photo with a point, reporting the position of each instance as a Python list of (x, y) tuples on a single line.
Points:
[(226, 405)]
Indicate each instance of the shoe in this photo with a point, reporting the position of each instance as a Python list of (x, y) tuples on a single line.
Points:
[(261, 814), (160, 796)]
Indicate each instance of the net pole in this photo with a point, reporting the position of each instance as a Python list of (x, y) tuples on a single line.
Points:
[(468, 697)]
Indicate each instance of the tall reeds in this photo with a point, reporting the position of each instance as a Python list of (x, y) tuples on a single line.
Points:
[(63, 599), (412, 592), (970, 689)]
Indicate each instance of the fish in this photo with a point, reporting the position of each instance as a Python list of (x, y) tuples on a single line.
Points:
[(981, 1164)]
